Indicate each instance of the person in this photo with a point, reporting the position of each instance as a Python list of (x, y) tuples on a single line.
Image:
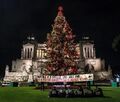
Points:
[(53, 93), (61, 93), (42, 86), (72, 94), (88, 92), (68, 91), (98, 92), (79, 92)]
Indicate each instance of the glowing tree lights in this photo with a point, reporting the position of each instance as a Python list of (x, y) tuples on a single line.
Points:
[(61, 49)]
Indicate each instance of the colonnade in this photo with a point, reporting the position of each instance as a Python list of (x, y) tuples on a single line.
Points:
[(28, 52), (41, 53), (88, 51)]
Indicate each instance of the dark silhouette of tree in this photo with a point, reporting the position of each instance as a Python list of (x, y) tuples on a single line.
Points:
[(116, 43)]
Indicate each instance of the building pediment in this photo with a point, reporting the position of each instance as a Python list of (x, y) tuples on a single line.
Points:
[(28, 44)]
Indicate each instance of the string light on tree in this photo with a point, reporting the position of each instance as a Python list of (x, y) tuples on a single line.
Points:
[(61, 47)]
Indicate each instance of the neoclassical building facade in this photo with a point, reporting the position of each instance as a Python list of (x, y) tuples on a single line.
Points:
[(33, 60), (34, 55)]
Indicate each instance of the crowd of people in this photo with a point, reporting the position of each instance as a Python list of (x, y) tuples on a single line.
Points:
[(81, 92)]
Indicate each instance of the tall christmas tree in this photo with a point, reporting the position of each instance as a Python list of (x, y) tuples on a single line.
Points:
[(61, 53)]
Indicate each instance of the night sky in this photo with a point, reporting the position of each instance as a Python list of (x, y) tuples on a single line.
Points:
[(95, 18)]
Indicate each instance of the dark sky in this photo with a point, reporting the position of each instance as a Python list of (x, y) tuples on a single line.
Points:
[(96, 18)]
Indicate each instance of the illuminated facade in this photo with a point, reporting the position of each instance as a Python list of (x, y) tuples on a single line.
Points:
[(35, 56), (33, 61)]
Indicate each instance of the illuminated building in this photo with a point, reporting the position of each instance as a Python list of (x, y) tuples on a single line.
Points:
[(35, 56)]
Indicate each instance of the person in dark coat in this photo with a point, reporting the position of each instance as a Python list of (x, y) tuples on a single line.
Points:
[(88, 92), (79, 92), (61, 93), (98, 92), (53, 93)]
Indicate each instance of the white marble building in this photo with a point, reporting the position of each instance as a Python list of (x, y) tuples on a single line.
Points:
[(31, 65), (33, 57)]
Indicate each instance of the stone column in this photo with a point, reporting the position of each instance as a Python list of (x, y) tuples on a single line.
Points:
[(27, 53), (38, 53), (41, 54), (84, 52), (44, 53), (30, 53), (92, 52), (24, 53)]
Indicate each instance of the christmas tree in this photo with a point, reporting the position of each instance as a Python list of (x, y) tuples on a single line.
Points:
[(61, 49)]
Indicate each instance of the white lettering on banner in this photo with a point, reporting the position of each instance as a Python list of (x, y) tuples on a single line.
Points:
[(66, 78)]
